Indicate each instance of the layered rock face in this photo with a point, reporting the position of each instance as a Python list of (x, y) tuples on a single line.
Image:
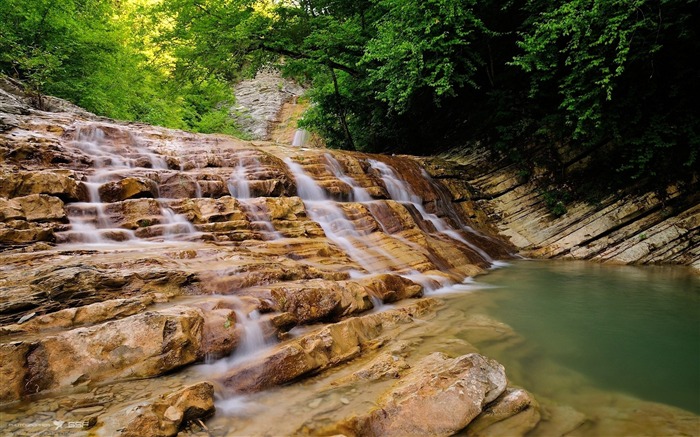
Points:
[(632, 229), (131, 253)]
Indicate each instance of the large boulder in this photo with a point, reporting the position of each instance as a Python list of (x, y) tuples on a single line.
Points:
[(438, 397), (139, 346)]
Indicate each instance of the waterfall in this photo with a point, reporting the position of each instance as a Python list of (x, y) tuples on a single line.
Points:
[(359, 194), (112, 161), (400, 190), (239, 187), (341, 231)]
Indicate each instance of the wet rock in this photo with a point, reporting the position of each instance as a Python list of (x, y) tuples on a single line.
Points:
[(128, 188), (391, 288), (317, 299), (219, 336), (88, 314), (439, 396), (321, 349), (514, 413), (167, 415)]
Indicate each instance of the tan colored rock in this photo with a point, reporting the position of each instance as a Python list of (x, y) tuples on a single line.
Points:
[(219, 335), (58, 183), (41, 208), (13, 368), (318, 299), (166, 416), (128, 188), (391, 288), (10, 210), (88, 314), (321, 349), (439, 396), (514, 413), (142, 345), (22, 232)]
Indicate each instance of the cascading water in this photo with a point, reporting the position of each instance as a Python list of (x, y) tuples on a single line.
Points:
[(334, 223), (359, 194), (90, 222), (400, 190), (239, 187)]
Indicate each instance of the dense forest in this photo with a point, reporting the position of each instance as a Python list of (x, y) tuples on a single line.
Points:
[(609, 79)]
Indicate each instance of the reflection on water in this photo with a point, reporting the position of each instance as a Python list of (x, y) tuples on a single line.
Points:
[(631, 329)]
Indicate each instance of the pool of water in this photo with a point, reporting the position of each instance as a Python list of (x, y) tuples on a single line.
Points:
[(626, 329)]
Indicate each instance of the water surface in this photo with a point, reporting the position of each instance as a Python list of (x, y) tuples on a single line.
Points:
[(634, 330)]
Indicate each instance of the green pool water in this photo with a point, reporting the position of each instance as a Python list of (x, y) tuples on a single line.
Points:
[(630, 329)]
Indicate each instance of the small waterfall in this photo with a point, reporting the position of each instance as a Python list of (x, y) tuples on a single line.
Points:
[(175, 224), (90, 221), (239, 187), (301, 137), (359, 194), (252, 339), (259, 216), (341, 231), (400, 190)]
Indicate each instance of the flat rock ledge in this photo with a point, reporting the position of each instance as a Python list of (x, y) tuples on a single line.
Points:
[(441, 396)]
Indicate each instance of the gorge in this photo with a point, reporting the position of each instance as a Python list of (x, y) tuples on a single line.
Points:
[(155, 281)]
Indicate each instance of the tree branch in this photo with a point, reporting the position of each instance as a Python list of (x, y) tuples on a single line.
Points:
[(297, 55)]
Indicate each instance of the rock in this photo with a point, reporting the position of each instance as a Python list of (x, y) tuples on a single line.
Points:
[(259, 101), (128, 188), (13, 368), (318, 299), (88, 314), (321, 349), (20, 232), (514, 413), (57, 183), (219, 336), (41, 208), (438, 396), (391, 288), (142, 345), (10, 210), (166, 416), (625, 228)]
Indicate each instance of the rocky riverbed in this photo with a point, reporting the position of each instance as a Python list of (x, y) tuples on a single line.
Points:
[(147, 273)]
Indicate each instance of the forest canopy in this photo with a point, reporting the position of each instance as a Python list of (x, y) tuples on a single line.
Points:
[(611, 79)]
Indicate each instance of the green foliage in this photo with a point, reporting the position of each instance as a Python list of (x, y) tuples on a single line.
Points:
[(611, 80), (556, 199), (620, 75), (98, 54)]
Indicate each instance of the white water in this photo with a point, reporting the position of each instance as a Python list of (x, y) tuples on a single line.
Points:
[(90, 222), (359, 194), (239, 187), (341, 231), (401, 191), (252, 340)]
